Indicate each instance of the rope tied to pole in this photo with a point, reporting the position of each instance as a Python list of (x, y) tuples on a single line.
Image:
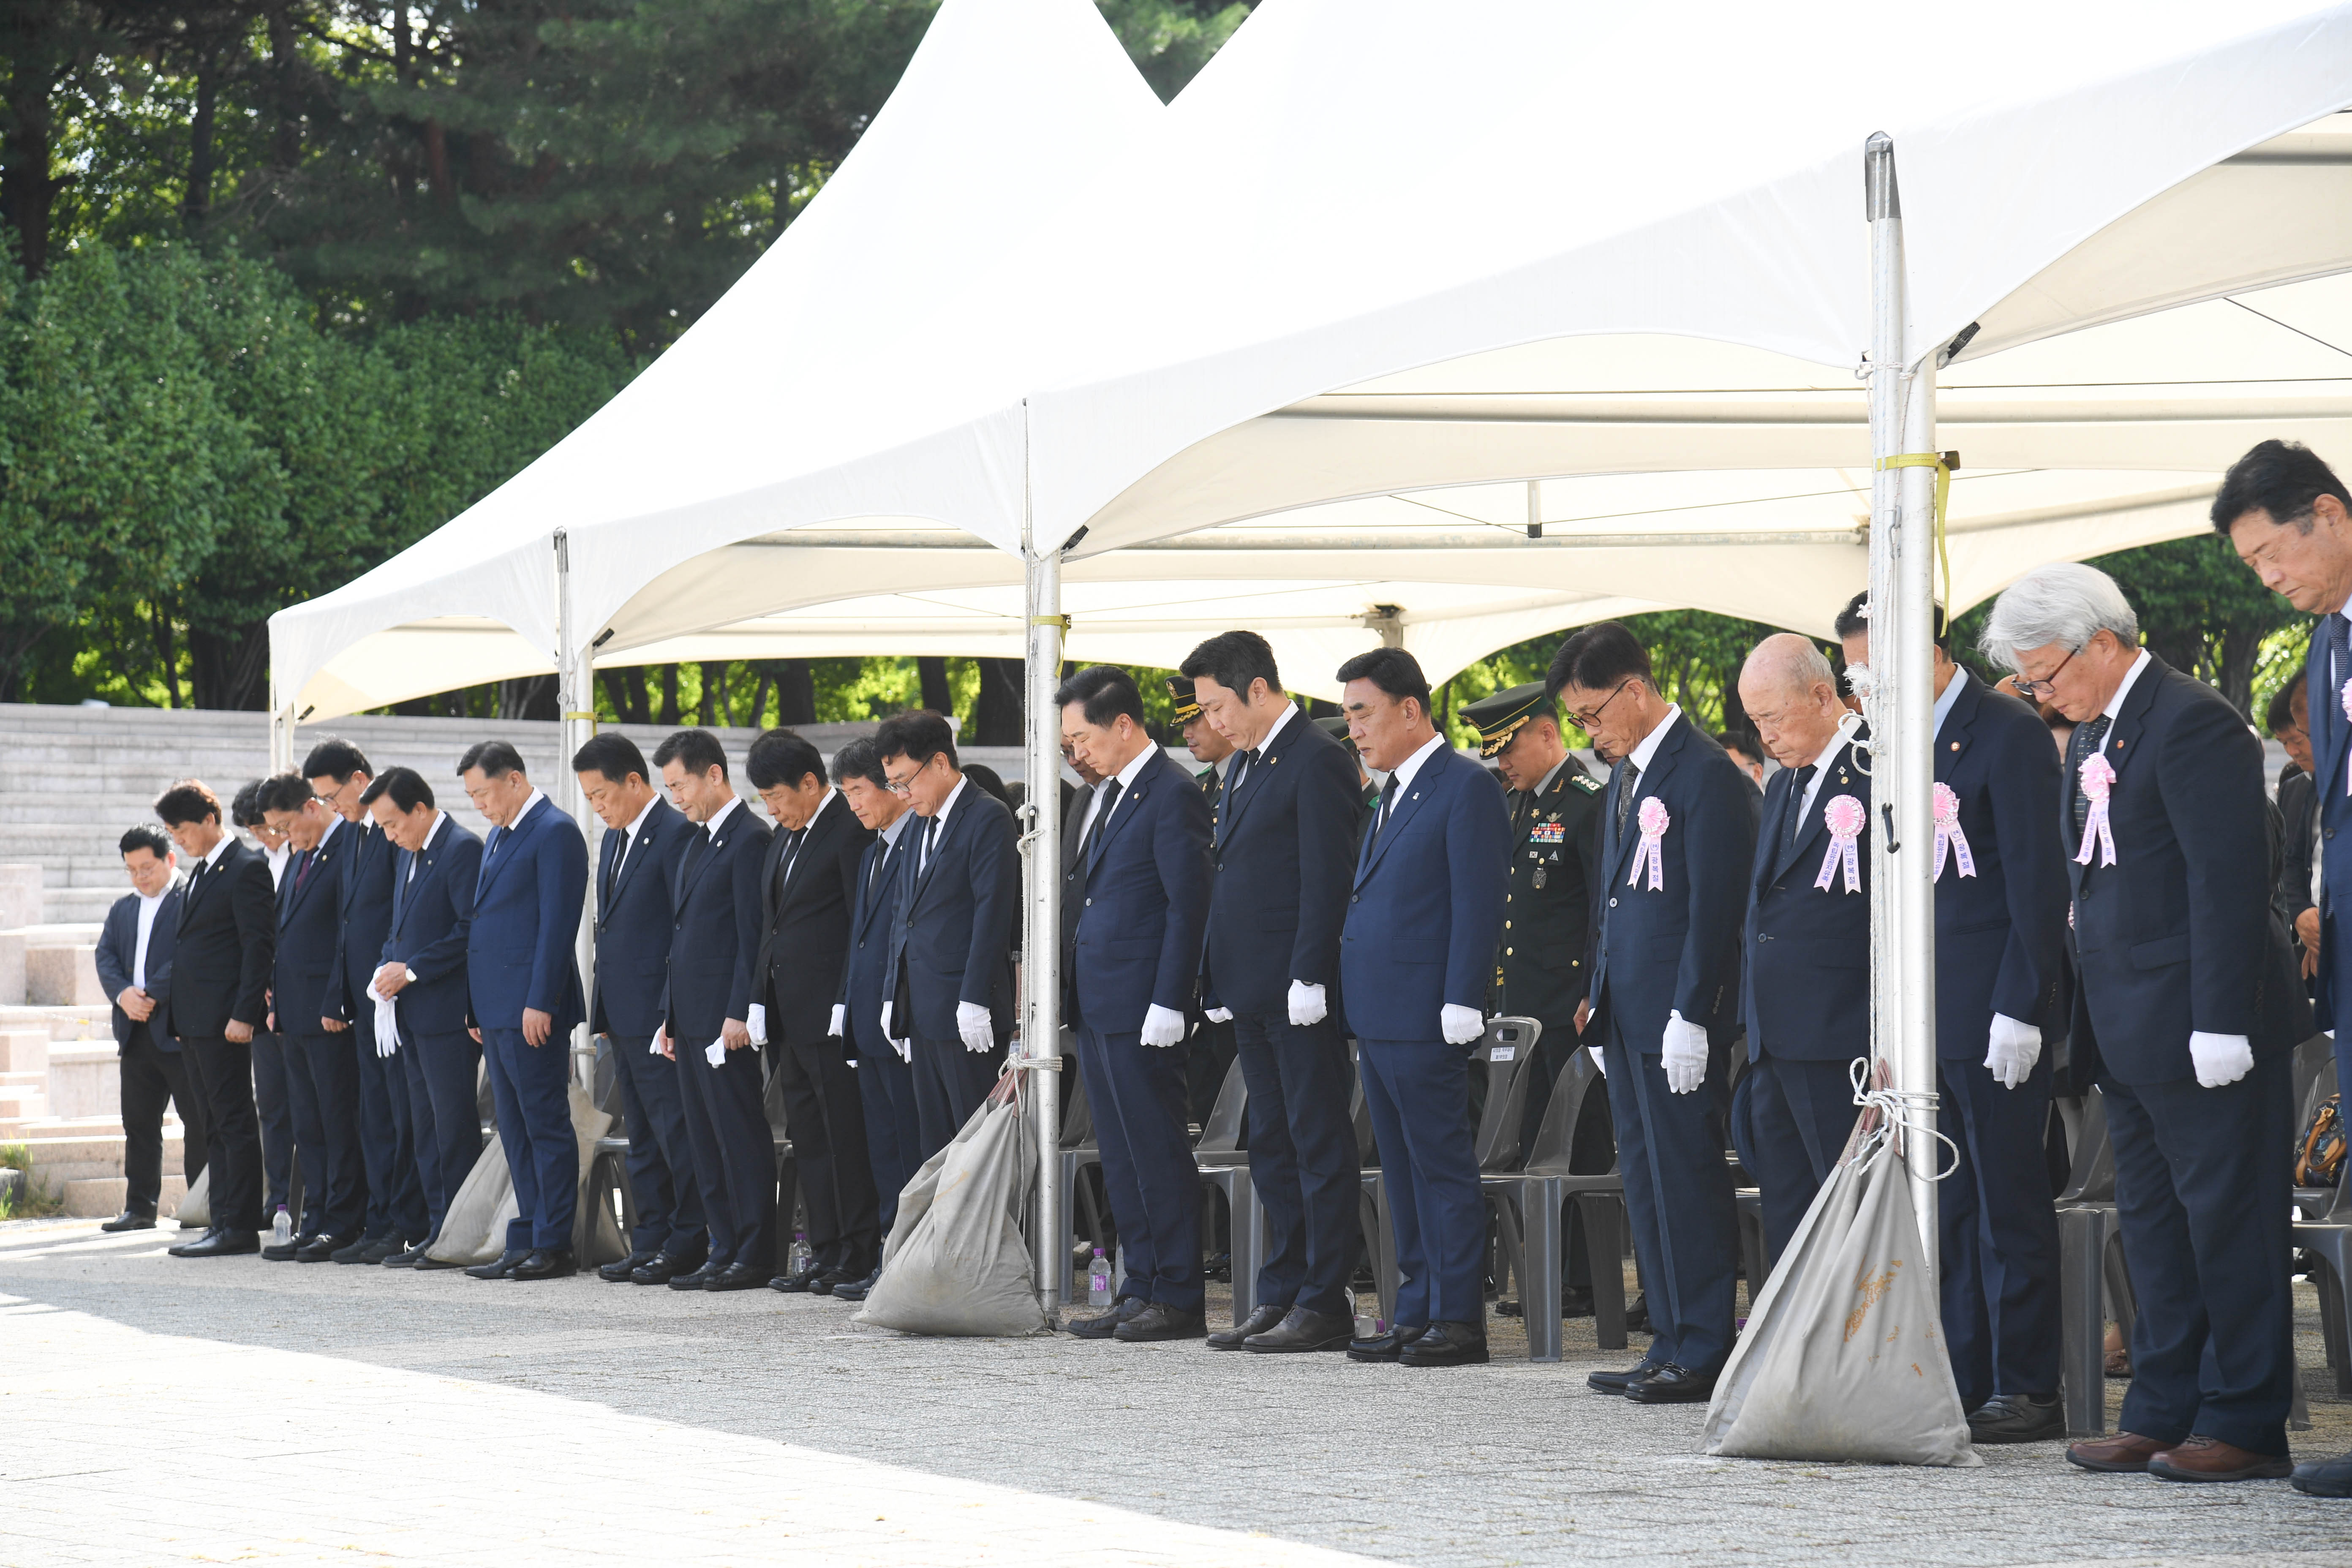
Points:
[(1944, 463), (1889, 1113)]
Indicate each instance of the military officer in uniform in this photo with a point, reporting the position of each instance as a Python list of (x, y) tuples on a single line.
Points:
[(1209, 1049)]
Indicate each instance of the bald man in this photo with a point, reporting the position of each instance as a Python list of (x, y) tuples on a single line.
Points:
[(1804, 990)]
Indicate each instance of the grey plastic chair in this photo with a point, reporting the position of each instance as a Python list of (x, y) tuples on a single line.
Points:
[(1081, 1215), (2325, 1233), (2090, 1270), (1224, 1164), (1529, 1208)]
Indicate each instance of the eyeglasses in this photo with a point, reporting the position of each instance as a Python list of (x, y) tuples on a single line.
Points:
[(2047, 687), (902, 789), (1585, 720)]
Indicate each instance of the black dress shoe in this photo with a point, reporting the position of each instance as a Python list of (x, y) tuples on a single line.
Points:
[(857, 1290), (1387, 1346), (500, 1267), (131, 1219), (545, 1263), (618, 1273), (1617, 1383), (1301, 1330), (738, 1277), (662, 1270), (1104, 1324), (381, 1249), (355, 1251), (1672, 1384), (800, 1281), (408, 1257), (425, 1261), (1447, 1344), (2017, 1419), (1261, 1318), (2324, 1477), (1161, 1321), (219, 1244), (695, 1279), (1637, 1314), (284, 1251), (833, 1278)]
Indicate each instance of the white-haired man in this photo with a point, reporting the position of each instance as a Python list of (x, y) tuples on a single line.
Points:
[(2190, 998)]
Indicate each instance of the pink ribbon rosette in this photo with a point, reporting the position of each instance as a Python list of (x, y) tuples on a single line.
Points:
[(2098, 780), (1655, 821), (1950, 839), (1845, 815)]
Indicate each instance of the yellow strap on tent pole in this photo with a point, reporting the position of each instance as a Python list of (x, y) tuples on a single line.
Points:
[(1943, 463)]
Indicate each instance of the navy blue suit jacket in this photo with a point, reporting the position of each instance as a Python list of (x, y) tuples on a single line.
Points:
[(1284, 859), (117, 955), (1805, 976), (432, 922), (633, 923), (309, 930), (714, 943), (872, 916), (2178, 935), (1677, 949), (805, 931), (1425, 912), (2330, 733), (526, 902), (1145, 903), (952, 941), (367, 916), (2000, 934)]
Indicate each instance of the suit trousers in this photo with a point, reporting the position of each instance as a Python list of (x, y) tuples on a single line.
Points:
[(273, 1104), (1303, 1164), (662, 1182), (1679, 1194), (232, 1132), (950, 1083), (734, 1152), (826, 1120), (1999, 1265), (442, 1070), (894, 1130), (322, 1079), (2202, 1188), (1800, 1114), (395, 1206), (1418, 1092), (150, 1077), (1137, 1095), (530, 1093)]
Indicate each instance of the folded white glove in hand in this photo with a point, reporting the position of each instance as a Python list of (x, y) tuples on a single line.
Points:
[(387, 1021), (1164, 1026), (714, 1053), (973, 1024), (1307, 1005), (1684, 1051), (1219, 1014), (906, 1048), (755, 1022), (2221, 1058), (838, 1024), (661, 1038), (2011, 1050), (886, 1032), (1599, 1060), (1460, 1025)]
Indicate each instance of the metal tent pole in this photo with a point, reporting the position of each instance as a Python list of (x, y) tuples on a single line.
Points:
[(1901, 707), (575, 705), (1041, 941)]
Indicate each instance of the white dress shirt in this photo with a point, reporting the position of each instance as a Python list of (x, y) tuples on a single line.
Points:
[(629, 834), (1407, 769), (440, 820), (2123, 688), (1951, 696), (1641, 755), (147, 908), (939, 824), (1847, 727), (1126, 777), (721, 814)]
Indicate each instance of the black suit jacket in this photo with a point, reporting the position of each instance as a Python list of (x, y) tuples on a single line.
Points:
[(432, 921), (1283, 860), (118, 956), (633, 923), (952, 939), (366, 913), (2298, 804), (309, 934), (715, 931), (806, 910), (1804, 974), (223, 947)]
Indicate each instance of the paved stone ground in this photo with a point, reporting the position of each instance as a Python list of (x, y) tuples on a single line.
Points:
[(158, 1410)]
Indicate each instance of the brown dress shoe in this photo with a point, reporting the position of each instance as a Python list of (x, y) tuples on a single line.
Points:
[(2124, 1453), (2212, 1459)]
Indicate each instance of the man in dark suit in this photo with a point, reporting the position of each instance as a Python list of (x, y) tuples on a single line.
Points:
[(1678, 834), (1804, 975), (1135, 901), (948, 988), (397, 1217), (273, 1098), (2001, 918), (221, 954), (637, 871), (885, 1082), (2189, 996), (714, 949), (523, 986), (1209, 1049), (323, 1073), (134, 966), (423, 970), (2298, 802), (1415, 957), (808, 886), (1282, 856)]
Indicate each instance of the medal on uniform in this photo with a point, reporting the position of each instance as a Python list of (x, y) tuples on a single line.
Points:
[(1845, 817), (2098, 780), (1540, 876), (1655, 821), (1950, 839)]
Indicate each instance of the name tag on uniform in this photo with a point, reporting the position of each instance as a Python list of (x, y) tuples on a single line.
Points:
[(1553, 831)]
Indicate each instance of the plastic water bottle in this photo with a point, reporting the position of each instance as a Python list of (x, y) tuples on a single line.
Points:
[(281, 1229), (800, 1253), (1099, 1281)]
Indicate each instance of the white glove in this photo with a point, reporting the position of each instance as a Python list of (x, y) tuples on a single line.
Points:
[(2221, 1058), (1683, 1050), (1162, 1025), (1460, 1025), (885, 1025), (2012, 1050), (906, 1048), (1599, 1060), (1307, 1005), (387, 1022), (1219, 1014), (755, 1022), (661, 1037), (973, 1024), (838, 1024), (714, 1053)]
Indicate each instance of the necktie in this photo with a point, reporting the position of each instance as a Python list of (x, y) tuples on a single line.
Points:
[(2340, 651), (2085, 741), (923, 853), (2339, 668), (791, 853), (881, 872), (1102, 819), (612, 878), (1629, 779), (1240, 770), (1388, 800), (1804, 782), (310, 864)]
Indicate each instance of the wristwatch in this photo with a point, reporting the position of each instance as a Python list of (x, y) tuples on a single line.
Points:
[(411, 974)]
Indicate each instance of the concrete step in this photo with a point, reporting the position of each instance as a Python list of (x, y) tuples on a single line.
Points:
[(82, 1021), (80, 1152), (102, 1197)]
